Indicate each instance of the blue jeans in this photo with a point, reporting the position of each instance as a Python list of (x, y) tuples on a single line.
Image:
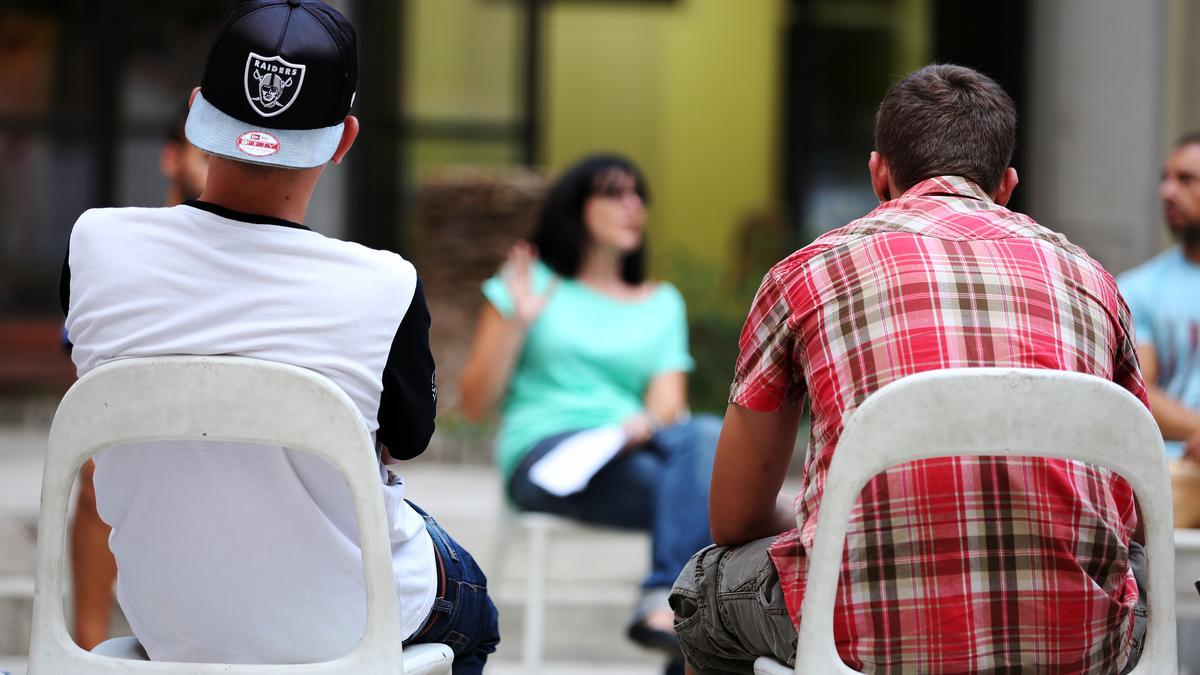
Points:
[(463, 615), (661, 487)]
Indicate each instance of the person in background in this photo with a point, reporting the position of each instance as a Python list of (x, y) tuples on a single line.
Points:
[(957, 564), (1162, 295), (93, 569), (574, 337)]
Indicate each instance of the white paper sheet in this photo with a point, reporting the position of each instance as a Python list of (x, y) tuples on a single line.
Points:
[(567, 468)]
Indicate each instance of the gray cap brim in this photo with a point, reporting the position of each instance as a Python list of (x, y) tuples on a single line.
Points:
[(213, 131)]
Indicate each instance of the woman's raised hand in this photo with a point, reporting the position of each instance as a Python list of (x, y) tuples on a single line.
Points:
[(518, 276)]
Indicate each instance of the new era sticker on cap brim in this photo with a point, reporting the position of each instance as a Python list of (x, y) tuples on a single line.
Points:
[(257, 144)]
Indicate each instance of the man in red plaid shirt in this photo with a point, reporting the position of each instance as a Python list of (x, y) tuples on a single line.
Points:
[(952, 565)]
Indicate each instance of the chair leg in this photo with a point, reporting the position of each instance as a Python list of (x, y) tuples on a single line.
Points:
[(535, 598), (500, 549)]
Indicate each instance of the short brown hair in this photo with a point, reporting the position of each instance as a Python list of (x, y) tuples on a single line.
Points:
[(1189, 138), (946, 120)]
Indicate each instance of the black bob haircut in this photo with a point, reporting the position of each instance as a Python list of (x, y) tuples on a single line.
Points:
[(561, 235)]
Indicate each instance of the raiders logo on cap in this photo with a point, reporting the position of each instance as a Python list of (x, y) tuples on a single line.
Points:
[(272, 84)]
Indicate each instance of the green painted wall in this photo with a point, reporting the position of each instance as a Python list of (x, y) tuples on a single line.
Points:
[(462, 65), (462, 60), (687, 88)]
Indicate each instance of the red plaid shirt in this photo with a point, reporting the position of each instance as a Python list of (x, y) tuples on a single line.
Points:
[(952, 565)]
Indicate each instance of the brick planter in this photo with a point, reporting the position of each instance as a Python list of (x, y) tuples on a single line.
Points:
[(465, 220)]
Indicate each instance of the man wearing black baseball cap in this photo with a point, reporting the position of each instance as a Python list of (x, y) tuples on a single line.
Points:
[(231, 553), (278, 86)]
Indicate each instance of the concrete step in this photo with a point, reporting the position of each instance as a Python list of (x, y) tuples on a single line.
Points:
[(16, 612), (16, 615), (575, 633), (16, 586), (20, 492), (12, 665)]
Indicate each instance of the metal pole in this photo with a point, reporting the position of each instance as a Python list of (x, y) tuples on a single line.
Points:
[(375, 186), (531, 84)]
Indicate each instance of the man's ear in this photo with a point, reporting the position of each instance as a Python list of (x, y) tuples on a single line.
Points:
[(168, 159), (881, 176), (1008, 183), (349, 133)]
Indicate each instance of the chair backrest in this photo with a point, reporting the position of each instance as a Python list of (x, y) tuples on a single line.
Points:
[(210, 399), (1003, 412)]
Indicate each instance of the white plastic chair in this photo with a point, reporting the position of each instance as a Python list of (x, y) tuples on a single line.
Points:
[(215, 399), (539, 528), (991, 411)]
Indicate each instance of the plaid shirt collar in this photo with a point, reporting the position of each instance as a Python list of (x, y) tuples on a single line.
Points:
[(948, 186)]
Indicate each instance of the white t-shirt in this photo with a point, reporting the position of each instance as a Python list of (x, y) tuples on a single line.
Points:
[(236, 553)]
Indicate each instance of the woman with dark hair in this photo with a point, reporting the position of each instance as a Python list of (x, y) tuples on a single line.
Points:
[(574, 338)]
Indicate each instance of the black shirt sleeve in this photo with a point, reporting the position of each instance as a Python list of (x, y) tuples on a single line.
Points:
[(64, 296), (64, 282), (408, 404)]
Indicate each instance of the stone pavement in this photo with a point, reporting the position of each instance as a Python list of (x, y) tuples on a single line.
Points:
[(592, 582)]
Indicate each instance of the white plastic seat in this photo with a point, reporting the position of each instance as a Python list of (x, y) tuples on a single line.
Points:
[(126, 647), (215, 399), (539, 528), (418, 659), (991, 411)]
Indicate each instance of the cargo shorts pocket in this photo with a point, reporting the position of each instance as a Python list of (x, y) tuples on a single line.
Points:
[(718, 614)]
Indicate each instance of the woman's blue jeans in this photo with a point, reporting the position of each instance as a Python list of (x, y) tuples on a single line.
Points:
[(661, 487)]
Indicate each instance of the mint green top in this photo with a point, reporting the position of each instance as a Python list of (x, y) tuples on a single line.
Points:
[(586, 361)]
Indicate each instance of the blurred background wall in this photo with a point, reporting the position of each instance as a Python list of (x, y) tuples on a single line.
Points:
[(752, 119)]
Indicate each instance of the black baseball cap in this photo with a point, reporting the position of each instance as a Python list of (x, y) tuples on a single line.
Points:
[(279, 82)]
